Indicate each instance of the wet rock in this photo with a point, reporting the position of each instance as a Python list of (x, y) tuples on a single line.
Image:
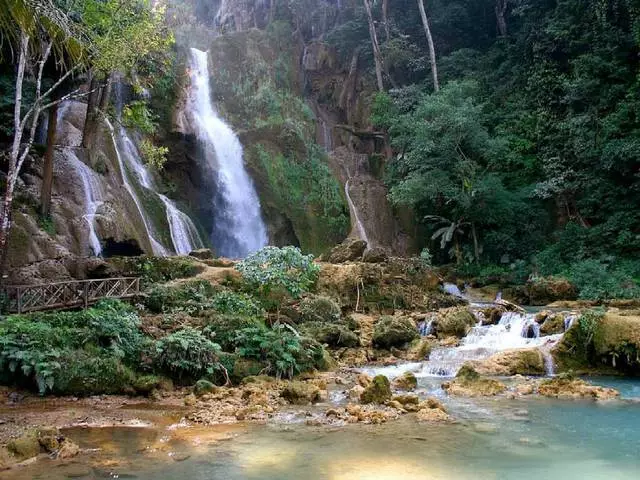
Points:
[(492, 315), (432, 411), (355, 393), (190, 400), (405, 400), (202, 254), (300, 393), (363, 380), (348, 251), (469, 383), (456, 322), (49, 439), (331, 334), (146, 384), (573, 388), (512, 362), (421, 350), (394, 332), (407, 381), (553, 324), (617, 332), (378, 391), (375, 255), (397, 405)]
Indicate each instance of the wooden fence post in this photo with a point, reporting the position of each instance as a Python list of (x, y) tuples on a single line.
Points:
[(85, 295)]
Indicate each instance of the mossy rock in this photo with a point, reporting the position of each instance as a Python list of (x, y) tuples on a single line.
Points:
[(245, 367), (146, 384), (348, 251), (86, 374), (332, 334), (454, 322), (319, 309), (25, 446), (545, 290), (552, 325), (378, 391), (394, 332), (300, 393), (528, 361), (467, 373), (202, 387), (616, 341), (407, 381)]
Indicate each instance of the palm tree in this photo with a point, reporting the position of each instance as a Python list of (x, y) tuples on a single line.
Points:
[(449, 232)]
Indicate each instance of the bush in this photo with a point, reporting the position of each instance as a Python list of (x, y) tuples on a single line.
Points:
[(228, 302), (91, 373), (283, 352), (319, 309), (596, 280), (224, 328), (189, 296), (274, 268), (187, 354), (157, 269)]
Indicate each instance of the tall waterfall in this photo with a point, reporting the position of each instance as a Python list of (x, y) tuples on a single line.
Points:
[(238, 227), (93, 197)]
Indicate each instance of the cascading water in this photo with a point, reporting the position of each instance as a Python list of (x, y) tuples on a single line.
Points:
[(361, 232), (184, 234), (238, 227), (93, 197)]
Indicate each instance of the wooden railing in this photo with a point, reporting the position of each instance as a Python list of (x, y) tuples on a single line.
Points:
[(77, 293)]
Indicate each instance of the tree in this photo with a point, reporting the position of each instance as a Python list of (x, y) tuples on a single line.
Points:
[(38, 29), (432, 48)]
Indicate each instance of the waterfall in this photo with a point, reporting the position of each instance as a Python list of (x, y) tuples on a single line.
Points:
[(93, 197), (362, 234), (452, 289), (238, 227), (184, 234)]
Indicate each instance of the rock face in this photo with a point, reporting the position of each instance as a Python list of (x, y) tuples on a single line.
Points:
[(617, 340), (394, 332), (543, 291), (378, 391), (512, 362)]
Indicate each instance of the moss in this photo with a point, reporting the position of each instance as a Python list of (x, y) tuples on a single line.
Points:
[(467, 373), (203, 387), (394, 332), (616, 341), (456, 322), (407, 381), (146, 384), (300, 393), (26, 446), (319, 309), (331, 334), (378, 391), (245, 367)]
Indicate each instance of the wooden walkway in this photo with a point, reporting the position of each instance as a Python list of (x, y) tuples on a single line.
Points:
[(72, 294)]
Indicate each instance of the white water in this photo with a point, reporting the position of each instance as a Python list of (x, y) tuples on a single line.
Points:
[(361, 232), (93, 198), (238, 227), (184, 234)]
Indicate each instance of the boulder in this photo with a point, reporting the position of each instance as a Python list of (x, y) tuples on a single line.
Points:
[(301, 393), (319, 309), (68, 449), (394, 332), (202, 387), (511, 362), (552, 324), (348, 251), (25, 446), (375, 255), (431, 410), (455, 321), (332, 334), (378, 391), (617, 340), (407, 381)]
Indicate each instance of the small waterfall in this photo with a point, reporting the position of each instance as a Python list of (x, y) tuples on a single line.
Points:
[(158, 248), (452, 289), (359, 227), (184, 234), (238, 227), (425, 327), (93, 198), (569, 321), (549, 366)]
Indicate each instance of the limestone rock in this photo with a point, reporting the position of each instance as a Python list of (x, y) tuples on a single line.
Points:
[(407, 381), (375, 255), (553, 324), (26, 446), (456, 321), (300, 393), (512, 362), (68, 449), (394, 332), (574, 388), (348, 251), (543, 291), (318, 308), (202, 254), (202, 387), (469, 383), (378, 391)]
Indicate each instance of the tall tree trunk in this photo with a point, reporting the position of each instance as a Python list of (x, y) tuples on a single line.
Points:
[(377, 56), (476, 245), (91, 119), (501, 11), (47, 169), (432, 48), (385, 19), (106, 94)]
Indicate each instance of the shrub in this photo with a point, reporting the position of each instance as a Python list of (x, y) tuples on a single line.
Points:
[(320, 309), (596, 280), (228, 302), (224, 328), (281, 349), (187, 354), (157, 269), (91, 373), (190, 296), (274, 268)]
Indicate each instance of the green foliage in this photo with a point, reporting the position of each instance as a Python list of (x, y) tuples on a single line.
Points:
[(274, 268), (187, 354), (34, 349), (281, 349), (228, 302), (157, 269), (320, 309), (191, 296), (91, 373), (224, 328), (596, 280)]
